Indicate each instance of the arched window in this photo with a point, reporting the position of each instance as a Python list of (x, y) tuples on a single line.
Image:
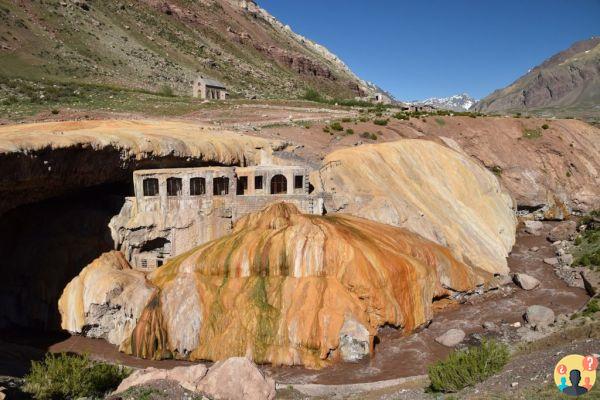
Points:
[(197, 186), (150, 186), (174, 186), (278, 185)]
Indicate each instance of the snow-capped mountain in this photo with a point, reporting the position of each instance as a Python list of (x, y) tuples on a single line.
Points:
[(458, 102)]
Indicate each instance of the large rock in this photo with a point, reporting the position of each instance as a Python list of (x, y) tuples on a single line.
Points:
[(429, 189), (539, 316), (106, 299), (451, 338), (563, 231), (533, 227), (526, 282), (591, 281), (187, 377), (233, 379), (281, 286), (355, 341), (237, 379)]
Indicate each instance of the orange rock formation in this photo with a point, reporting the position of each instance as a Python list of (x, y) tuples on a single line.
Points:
[(281, 286)]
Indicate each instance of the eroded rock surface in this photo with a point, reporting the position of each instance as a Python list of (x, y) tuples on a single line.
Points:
[(429, 189), (281, 286)]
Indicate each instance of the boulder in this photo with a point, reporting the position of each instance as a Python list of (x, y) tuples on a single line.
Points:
[(354, 341), (551, 261), (565, 259), (526, 282), (533, 227), (237, 379), (187, 377), (566, 230), (591, 281), (539, 316), (490, 326), (451, 338)]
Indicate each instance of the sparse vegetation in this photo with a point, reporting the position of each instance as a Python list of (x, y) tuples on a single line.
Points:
[(545, 126), (592, 307), (54, 111), (369, 135), (381, 122), (532, 133), (166, 91), (440, 122), (587, 245), (464, 368), (496, 170), (66, 376), (336, 126), (349, 131)]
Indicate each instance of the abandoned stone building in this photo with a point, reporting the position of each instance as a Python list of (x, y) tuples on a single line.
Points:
[(175, 210), (209, 89)]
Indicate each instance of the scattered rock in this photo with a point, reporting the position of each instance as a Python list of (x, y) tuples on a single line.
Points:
[(565, 259), (451, 338), (591, 281), (539, 316), (237, 379), (490, 326), (516, 325), (354, 341), (534, 227), (564, 231), (535, 249), (526, 282), (551, 261), (514, 384)]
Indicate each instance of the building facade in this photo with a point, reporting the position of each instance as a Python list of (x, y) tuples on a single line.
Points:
[(175, 210), (209, 89)]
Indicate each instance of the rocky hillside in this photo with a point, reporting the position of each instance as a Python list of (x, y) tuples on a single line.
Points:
[(152, 45), (283, 288), (568, 83)]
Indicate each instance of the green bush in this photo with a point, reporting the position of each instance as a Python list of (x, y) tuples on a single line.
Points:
[(592, 308), (369, 135), (346, 119), (545, 126), (336, 126), (54, 111), (312, 95), (401, 116), (381, 122), (66, 376), (349, 131), (440, 122), (468, 367)]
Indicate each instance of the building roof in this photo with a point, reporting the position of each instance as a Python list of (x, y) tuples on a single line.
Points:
[(213, 83)]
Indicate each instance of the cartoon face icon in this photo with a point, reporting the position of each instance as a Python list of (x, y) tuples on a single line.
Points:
[(575, 375)]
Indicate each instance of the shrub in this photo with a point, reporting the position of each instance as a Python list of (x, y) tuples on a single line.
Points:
[(336, 126), (592, 308), (364, 119), (496, 170), (545, 126), (368, 135), (312, 95), (326, 129), (54, 111), (401, 116), (532, 133), (467, 367), (381, 122), (166, 91), (346, 119), (440, 122), (66, 376), (349, 131)]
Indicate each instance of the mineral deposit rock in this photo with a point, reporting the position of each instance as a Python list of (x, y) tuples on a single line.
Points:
[(429, 189), (282, 285), (105, 299), (354, 341)]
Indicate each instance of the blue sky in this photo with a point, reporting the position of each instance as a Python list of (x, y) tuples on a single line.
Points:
[(419, 49)]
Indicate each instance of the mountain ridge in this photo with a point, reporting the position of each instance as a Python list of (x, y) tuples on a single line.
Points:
[(151, 44), (565, 84), (457, 102)]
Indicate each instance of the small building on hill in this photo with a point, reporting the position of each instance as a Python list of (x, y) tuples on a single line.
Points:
[(209, 89)]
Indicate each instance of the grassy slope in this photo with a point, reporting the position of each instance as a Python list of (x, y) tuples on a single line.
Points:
[(141, 45)]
